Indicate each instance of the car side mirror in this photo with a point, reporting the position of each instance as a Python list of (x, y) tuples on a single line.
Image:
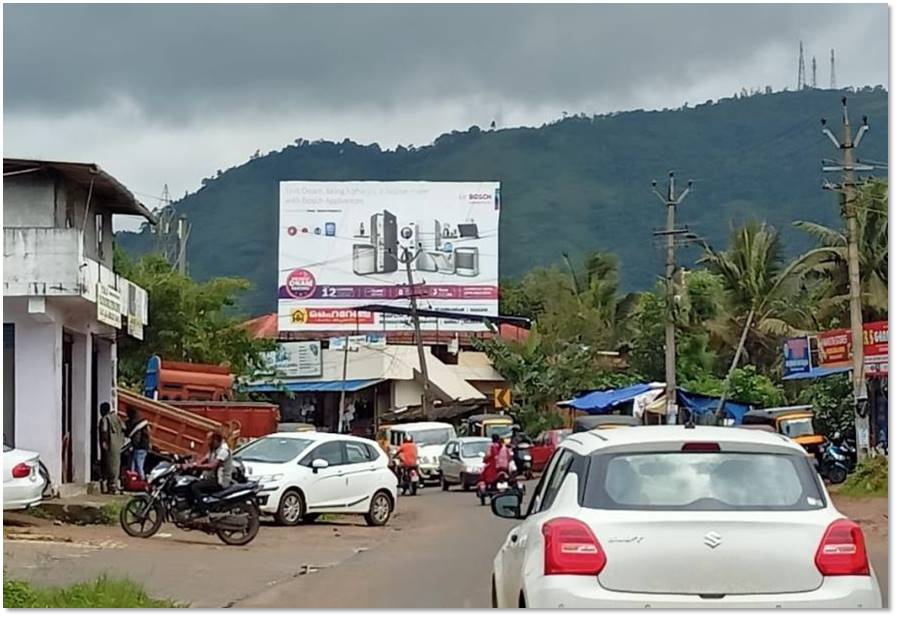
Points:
[(319, 463), (507, 505)]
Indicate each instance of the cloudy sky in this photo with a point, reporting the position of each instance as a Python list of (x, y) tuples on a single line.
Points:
[(170, 93)]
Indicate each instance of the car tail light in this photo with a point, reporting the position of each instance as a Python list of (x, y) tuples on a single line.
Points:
[(842, 551), (571, 548), (700, 446), (21, 470)]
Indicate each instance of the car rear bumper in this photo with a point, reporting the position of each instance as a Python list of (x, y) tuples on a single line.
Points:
[(22, 493), (585, 592)]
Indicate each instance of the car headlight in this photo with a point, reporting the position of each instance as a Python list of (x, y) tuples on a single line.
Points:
[(474, 468), (274, 477)]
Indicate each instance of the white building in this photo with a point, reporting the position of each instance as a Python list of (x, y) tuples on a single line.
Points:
[(63, 309)]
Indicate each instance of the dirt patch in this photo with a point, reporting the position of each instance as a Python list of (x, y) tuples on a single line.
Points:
[(870, 512)]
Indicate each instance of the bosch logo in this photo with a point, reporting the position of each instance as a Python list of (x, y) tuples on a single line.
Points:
[(479, 197)]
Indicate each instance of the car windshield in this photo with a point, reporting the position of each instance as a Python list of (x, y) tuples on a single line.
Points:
[(431, 436), (272, 449), (798, 427), (502, 430), (474, 449), (702, 481)]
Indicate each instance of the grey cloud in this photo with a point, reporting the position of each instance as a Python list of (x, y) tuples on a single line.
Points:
[(181, 62)]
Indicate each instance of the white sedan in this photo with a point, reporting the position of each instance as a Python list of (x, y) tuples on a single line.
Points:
[(676, 517), (23, 484), (304, 475)]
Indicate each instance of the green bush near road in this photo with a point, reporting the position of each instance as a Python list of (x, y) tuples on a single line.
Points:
[(870, 479), (101, 593)]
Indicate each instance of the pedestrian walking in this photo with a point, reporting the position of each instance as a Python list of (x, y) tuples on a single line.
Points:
[(138, 432), (112, 440)]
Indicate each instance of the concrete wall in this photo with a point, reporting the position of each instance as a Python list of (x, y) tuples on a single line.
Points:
[(41, 261), (29, 201)]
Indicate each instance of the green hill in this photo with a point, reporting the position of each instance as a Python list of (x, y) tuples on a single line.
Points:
[(577, 184)]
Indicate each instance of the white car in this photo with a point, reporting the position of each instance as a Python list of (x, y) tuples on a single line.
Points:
[(304, 475), (461, 461), (430, 438), (23, 485), (676, 517)]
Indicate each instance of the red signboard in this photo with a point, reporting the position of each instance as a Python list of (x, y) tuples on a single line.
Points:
[(835, 348)]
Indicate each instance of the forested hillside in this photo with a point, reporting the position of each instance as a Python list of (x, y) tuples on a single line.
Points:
[(579, 184)]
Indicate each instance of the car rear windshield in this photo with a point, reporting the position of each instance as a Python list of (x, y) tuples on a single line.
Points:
[(701, 481), (272, 449)]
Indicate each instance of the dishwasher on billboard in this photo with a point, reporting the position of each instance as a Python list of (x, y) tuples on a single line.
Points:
[(344, 245)]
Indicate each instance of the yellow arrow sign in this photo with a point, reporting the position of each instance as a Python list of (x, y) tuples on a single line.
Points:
[(502, 398)]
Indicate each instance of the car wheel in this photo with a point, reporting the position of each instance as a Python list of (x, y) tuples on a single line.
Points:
[(380, 509), (445, 484), (291, 508)]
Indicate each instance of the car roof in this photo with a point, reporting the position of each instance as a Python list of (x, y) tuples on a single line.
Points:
[(315, 436), (589, 441), (416, 426), (473, 439)]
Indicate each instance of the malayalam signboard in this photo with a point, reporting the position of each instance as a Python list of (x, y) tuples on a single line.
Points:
[(835, 348), (296, 359), (108, 305), (343, 245)]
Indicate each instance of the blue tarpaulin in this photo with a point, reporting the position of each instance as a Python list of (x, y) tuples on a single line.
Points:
[(700, 405), (816, 372), (605, 400)]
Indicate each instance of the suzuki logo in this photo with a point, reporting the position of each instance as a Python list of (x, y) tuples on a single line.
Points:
[(713, 539)]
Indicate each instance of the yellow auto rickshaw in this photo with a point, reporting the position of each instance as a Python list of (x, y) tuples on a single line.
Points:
[(795, 422), (486, 425)]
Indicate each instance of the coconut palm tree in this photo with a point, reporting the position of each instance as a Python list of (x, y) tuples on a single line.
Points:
[(826, 265), (758, 285)]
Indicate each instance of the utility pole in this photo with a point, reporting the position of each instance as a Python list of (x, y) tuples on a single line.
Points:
[(407, 258), (671, 201), (342, 394), (847, 190), (183, 233)]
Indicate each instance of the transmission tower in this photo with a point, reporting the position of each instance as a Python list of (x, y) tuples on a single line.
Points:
[(801, 69), (813, 65), (833, 85)]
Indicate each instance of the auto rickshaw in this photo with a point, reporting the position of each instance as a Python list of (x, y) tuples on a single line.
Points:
[(486, 425), (589, 423), (794, 422)]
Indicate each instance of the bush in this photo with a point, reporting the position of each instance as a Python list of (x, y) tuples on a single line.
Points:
[(102, 593), (832, 402), (869, 479)]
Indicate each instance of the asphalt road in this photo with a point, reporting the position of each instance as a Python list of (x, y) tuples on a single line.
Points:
[(436, 553)]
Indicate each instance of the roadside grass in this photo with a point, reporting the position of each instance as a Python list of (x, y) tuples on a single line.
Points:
[(109, 513), (869, 479), (101, 593)]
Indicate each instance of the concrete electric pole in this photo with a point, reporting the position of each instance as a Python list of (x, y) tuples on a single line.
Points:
[(671, 201), (847, 190), (408, 258)]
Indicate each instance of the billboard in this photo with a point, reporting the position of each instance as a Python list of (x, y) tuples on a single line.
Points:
[(797, 355), (835, 348), (343, 245), (295, 359)]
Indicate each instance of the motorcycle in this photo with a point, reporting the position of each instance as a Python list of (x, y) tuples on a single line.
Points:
[(408, 477), (233, 514), (838, 459), (503, 482), (523, 458)]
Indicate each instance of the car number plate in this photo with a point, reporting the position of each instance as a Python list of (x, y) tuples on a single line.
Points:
[(501, 486)]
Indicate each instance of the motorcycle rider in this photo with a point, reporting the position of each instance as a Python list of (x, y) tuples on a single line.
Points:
[(408, 454), (217, 469)]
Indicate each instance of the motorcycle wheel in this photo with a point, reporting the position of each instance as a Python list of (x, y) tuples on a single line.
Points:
[(413, 489), (137, 523), (836, 475), (247, 535)]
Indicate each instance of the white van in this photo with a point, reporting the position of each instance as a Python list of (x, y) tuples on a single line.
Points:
[(430, 438)]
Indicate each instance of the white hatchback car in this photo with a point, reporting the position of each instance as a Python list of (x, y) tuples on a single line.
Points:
[(304, 475), (23, 484), (675, 517)]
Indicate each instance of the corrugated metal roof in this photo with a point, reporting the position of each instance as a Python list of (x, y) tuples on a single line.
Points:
[(111, 193)]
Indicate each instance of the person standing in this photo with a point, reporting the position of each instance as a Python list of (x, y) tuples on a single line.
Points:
[(138, 432), (112, 440)]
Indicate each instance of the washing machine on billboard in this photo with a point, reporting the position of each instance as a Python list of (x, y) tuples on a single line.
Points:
[(364, 259), (467, 261), (385, 241)]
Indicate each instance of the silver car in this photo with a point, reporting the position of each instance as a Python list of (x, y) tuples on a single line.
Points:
[(461, 461)]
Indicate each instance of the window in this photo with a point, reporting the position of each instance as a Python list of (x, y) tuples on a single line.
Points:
[(272, 449), (357, 452), (553, 485), (331, 451), (709, 481)]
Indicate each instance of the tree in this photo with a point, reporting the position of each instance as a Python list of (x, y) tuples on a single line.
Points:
[(833, 406), (188, 321), (757, 283), (826, 265)]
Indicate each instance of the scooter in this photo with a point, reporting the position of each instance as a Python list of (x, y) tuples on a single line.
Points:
[(523, 458), (504, 481), (838, 460)]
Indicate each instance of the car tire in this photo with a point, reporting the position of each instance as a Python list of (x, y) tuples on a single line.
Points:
[(445, 484), (380, 509), (465, 483), (291, 508)]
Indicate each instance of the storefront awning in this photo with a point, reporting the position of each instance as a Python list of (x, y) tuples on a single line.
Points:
[(350, 385), (816, 373)]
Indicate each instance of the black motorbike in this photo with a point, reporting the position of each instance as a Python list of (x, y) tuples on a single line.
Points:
[(408, 477), (503, 482), (838, 459), (523, 459), (232, 514)]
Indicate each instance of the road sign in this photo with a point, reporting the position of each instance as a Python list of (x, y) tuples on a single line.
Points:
[(502, 398)]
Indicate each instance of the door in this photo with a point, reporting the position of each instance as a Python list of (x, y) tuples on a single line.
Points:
[(449, 462), (541, 451), (325, 488), (67, 463), (9, 384), (360, 474)]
